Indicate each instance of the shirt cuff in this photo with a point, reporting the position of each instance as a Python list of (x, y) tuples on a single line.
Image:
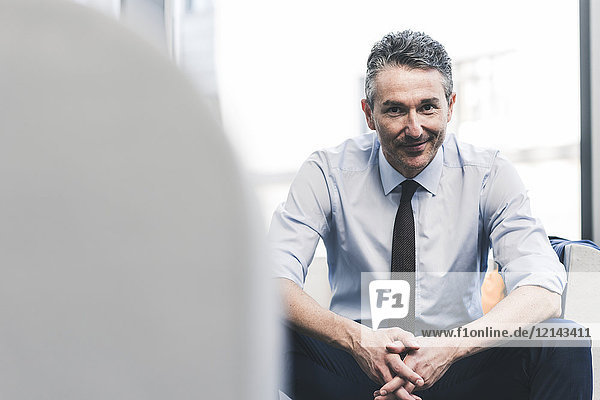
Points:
[(293, 273), (535, 270)]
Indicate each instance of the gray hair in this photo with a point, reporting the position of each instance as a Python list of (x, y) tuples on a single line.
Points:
[(409, 49)]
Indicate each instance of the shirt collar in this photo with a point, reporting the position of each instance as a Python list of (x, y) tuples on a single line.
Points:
[(429, 178)]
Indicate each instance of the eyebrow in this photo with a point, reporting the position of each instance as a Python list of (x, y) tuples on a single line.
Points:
[(431, 100)]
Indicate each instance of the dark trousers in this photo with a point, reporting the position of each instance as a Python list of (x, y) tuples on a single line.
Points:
[(315, 370)]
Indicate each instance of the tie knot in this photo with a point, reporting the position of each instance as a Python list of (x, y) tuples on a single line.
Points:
[(409, 187)]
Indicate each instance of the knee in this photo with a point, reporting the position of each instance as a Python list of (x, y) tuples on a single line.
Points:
[(564, 343), (567, 333)]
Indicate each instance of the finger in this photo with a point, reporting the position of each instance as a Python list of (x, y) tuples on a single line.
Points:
[(411, 343), (403, 371), (390, 387), (390, 396), (393, 396), (398, 346), (409, 387), (379, 396), (385, 374), (401, 394)]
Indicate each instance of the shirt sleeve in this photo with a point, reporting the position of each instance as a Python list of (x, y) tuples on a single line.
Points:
[(298, 223), (519, 242)]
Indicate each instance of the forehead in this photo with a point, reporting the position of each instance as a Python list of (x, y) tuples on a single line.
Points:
[(402, 83)]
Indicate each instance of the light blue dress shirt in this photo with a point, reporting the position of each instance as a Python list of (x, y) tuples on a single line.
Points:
[(470, 199)]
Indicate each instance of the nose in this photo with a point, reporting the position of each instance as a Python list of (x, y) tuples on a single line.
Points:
[(413, 126)]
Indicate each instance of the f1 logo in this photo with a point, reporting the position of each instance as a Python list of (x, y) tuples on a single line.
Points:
[(388, 299)]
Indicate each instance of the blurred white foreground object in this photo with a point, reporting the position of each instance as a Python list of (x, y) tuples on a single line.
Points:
[(126, 265)]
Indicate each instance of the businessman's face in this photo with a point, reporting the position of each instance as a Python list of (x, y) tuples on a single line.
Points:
[(410, 114)]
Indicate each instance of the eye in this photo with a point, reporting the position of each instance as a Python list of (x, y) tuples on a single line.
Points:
[(394, 110), (428, 108)]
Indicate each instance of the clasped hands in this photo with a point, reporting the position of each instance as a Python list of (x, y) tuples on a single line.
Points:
[(401, 362)]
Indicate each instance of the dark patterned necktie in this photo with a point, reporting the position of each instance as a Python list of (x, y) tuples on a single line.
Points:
[(403, 249)]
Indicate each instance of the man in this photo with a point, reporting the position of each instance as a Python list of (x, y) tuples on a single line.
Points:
[(458, 200)]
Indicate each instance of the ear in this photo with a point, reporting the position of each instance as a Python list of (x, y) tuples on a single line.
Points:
[(451, 106), (368, 114)]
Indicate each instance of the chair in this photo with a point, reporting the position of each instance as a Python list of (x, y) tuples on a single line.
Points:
[(581, 301), (129, 264)]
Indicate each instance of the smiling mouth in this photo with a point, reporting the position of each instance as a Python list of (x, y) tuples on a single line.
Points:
[(415, 147)]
